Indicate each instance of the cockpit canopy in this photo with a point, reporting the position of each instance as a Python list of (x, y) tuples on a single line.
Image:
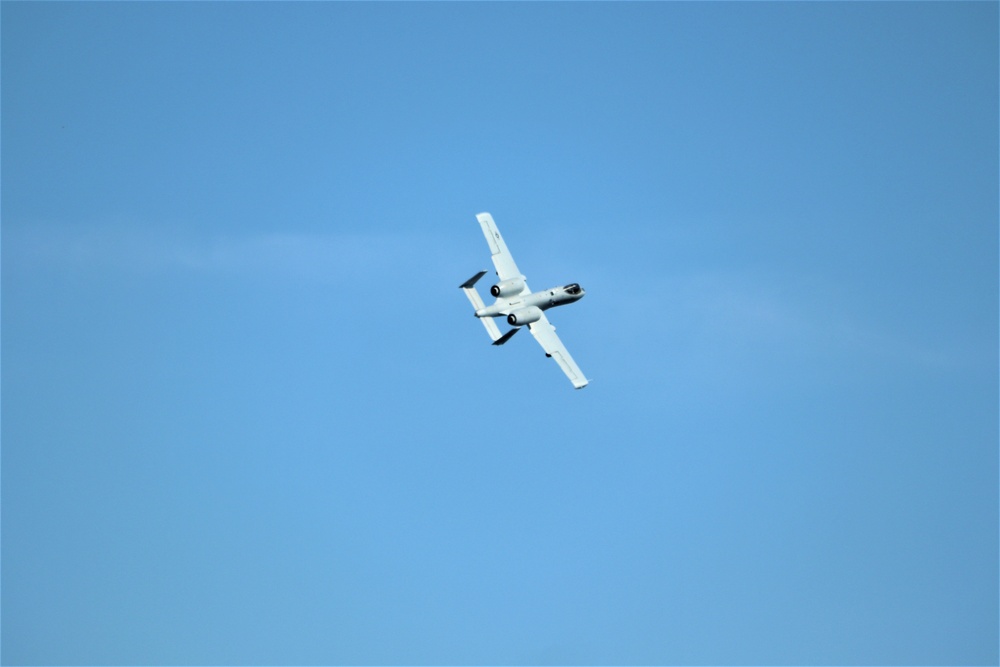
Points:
[(573, 289)]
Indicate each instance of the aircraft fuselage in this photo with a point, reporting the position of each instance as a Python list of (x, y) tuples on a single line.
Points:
[(550, 298)]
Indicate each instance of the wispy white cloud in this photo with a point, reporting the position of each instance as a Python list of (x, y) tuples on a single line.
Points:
[(301, 255), (318, 257), (725, 322), (732, 323)]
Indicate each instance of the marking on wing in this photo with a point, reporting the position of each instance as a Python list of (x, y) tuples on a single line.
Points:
[(562, 364)]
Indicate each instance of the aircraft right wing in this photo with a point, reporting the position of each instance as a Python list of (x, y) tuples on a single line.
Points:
[(545, 334), (506, 268)]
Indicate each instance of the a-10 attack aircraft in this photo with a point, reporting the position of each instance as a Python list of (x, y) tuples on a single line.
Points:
[(520, 305)]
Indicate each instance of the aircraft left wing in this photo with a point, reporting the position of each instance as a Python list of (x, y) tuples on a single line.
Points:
[(506, 268), (545, 334)]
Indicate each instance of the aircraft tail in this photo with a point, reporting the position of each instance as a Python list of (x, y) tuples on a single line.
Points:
[(469, 287)]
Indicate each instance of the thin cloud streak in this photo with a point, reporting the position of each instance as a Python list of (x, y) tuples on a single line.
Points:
[(733, 321), (276, 255)]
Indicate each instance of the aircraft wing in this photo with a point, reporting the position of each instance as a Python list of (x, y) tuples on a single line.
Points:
[(506, 268), (546, 336)]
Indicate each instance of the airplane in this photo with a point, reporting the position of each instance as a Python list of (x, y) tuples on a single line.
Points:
[(521, 306)]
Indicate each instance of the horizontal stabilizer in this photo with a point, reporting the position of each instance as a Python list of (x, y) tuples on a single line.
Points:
[(469, 287), (506, 337)]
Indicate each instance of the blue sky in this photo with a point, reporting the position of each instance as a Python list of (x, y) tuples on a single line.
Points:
[(248, 417)]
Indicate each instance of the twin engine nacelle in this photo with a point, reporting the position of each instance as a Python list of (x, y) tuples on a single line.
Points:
[(509, 287), (523, 316)]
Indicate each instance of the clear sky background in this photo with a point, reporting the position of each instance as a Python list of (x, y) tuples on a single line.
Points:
[(249, 418)]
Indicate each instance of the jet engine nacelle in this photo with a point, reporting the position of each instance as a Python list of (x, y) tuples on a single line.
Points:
[(509, 287), (523, 316)]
